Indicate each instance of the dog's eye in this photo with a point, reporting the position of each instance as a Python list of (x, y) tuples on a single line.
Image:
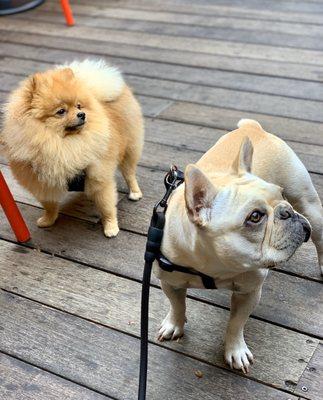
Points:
[(62, 111), (256, 216), (79, 106)]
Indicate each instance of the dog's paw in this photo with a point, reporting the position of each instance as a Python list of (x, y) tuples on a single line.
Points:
[(111, 230), (238, 356), (171, 329), (135, 196), (45, 221)]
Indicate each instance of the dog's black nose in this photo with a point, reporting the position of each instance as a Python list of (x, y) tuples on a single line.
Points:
[(81, 115)]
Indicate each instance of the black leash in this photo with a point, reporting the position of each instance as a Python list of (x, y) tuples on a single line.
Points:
[(154, 238)]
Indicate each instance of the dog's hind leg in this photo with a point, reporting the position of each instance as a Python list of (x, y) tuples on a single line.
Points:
[(172, 326), (50, 214), (128, 168), (310, 206)]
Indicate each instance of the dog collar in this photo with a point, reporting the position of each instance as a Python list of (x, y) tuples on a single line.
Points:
[(77, 183)]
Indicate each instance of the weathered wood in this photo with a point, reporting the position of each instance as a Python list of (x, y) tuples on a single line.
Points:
[(79, 240), (225, 79), (237, 35), (228, 10), (184, 58), (22, 381), (195, 45), (107, 361), (311, 382), (227, 98), (188, 19), (115, 302), (221, 118)]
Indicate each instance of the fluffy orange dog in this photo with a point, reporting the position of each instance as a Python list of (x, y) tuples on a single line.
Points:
[(77, 117)]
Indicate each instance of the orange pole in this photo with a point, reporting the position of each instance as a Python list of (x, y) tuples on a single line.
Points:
[(12, 212), (67, 12)]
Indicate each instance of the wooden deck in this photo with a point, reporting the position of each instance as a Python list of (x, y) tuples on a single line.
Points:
[(69, 310)]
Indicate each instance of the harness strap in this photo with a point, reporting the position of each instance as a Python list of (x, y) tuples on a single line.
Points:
[(77, 184), (168, 266)]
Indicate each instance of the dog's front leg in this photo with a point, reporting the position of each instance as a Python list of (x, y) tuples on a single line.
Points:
[(172, 326), (104, 194), (50, 214), (237, 354)]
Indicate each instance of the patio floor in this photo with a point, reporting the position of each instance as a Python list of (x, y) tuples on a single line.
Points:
[(70, 299)]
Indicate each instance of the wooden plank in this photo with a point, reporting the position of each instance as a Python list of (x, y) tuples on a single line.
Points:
[(86, 292), (187, 19), (219, 97), (311, 382), (201, 138), (195, 45), (21, 381), (184, 58), (107, 361), (221, 118), (224, 79), (237, 35), (80, 241), (227, 98), (226, 10)]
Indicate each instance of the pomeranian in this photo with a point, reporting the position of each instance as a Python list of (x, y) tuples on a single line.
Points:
[(76, 118)]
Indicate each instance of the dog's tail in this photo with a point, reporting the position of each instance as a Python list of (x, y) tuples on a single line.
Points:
[(252, 122), (105, 82)]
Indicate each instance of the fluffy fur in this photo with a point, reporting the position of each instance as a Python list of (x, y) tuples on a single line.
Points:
[(80, 116)]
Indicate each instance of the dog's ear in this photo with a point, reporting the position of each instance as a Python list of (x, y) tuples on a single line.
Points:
[(243, 161), (30, 87), (199, 195)]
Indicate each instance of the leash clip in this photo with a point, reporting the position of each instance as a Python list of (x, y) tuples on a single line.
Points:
[(171, 181)]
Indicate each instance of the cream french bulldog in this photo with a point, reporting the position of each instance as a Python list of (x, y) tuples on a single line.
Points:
[(246, 206)]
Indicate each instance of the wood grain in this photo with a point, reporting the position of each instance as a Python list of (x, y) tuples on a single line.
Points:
[(115, 302), (311, 382), (221, 62), (235, 34), (22, 381), (107, 361), (210, 77), (255, 10), (195, 45)]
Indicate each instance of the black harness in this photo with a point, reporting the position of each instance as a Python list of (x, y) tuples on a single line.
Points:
[(77, 184), (172, 180), (168, 266)]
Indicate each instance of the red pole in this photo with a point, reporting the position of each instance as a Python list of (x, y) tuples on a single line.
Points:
[(12, 212), (67, 12)]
